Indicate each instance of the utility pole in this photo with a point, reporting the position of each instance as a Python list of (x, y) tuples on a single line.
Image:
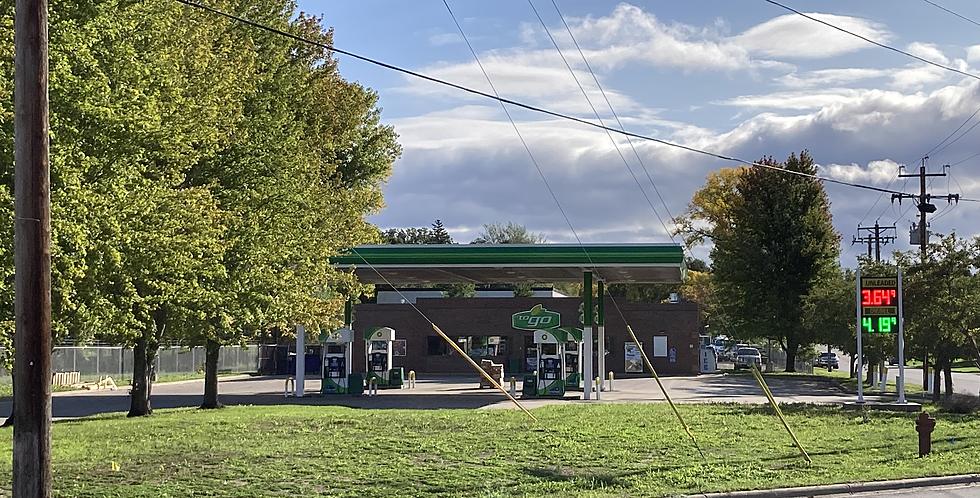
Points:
[(32, 254), (919, 235), (876, 237)]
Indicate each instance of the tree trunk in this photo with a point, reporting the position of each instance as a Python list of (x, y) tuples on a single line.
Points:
[(212, 348), (948, 370), (139, 403), (791, 349), (936, 379), (925, 372), (850, 371)]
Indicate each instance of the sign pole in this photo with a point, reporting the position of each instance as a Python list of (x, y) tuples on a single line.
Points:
[(860, 350), (901, 341)]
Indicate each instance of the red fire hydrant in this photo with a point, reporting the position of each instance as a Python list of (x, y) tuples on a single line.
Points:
[(924, 425)]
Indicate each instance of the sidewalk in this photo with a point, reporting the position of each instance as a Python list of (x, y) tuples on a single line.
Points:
[(926, 486)]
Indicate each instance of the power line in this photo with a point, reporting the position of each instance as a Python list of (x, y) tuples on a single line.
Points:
[(961, 161), (958, 128), (957, 139), (613, 111), (523, 105), (961, 16), (869, 40), (596, 113), (587, 387)]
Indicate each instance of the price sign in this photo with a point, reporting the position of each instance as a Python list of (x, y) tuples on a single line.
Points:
[(879, 305)]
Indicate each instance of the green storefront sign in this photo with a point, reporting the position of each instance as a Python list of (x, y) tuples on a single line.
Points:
[(536, 318)]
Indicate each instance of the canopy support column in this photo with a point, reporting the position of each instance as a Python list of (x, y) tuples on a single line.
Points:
[(586, 353), (601, 339), (300, 379)]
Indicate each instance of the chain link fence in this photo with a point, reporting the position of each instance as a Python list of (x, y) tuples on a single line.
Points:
[(115, 361)]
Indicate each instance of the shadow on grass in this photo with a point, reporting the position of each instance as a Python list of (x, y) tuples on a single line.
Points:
[(592, 480)]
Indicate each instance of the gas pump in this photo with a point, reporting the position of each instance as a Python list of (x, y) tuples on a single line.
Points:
[(377, 351), (551, 361), (573, 367), (337, 362)]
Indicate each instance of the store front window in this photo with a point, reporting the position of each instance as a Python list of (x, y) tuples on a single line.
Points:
[(475, 346)]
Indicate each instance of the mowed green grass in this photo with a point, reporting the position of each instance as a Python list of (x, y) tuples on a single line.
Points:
[(572, 450)]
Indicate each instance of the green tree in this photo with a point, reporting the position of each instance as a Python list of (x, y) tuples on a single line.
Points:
[(940, 297), (511, 233), (829, 314), (305, 168), (773, 243)]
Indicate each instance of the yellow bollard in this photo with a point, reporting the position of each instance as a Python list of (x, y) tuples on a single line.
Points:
[(598, 387), (611, 376), (411, 379)]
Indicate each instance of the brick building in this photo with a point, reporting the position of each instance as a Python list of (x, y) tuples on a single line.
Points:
[(482, 327)]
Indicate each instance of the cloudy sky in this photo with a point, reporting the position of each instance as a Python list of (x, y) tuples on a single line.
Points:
[(742, 78)]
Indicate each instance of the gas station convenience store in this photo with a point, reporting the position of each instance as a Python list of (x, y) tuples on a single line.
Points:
[(503, 329)]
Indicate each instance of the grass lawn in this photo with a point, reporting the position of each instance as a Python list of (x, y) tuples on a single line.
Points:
[(573, 450)]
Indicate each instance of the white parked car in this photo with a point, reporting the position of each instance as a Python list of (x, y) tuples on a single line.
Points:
[(746, 357)]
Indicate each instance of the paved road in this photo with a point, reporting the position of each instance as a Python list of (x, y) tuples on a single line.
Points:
[(963, 491), (963, 383), (446, 392)]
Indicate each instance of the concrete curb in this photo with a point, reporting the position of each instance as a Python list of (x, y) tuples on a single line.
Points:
[(847, 488)]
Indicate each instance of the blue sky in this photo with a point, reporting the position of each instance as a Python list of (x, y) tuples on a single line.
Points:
[(744, 78)]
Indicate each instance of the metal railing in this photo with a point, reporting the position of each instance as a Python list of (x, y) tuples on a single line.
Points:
[(115, 361)]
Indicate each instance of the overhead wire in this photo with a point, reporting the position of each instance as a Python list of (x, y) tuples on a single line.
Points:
[(612, 298), (957, 139), (558, 204), (957, 14), (522, 105), (902, 52), (873, 42), (612, 110), (599, 118)]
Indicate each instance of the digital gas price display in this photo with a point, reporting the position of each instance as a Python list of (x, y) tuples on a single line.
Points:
[(879, 305)]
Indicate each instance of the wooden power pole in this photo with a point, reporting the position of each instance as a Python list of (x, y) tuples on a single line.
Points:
[(32, 254), (877, 236), (920, 232)]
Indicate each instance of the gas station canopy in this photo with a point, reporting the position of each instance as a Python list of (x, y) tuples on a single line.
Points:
[(407, 264)]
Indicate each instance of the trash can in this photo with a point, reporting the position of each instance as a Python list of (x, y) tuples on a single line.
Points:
[(355, 384), (396, 377), (530, 388)]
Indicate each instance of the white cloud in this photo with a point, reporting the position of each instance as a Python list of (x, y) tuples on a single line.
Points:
[(466, 166), (927, 51), (796, 100), (877, 172), (792, 36), (830, 77), (630, 34), (440, 39), (973, 53)]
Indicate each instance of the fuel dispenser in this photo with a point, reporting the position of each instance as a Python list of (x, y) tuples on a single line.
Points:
[(377, 351), (337, 362), (551, 361), (573, 367)]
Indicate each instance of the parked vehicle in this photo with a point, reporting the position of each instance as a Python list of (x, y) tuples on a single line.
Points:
[(746, 357), (827, 360)]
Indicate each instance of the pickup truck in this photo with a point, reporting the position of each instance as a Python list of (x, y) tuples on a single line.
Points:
[(746, 357)]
